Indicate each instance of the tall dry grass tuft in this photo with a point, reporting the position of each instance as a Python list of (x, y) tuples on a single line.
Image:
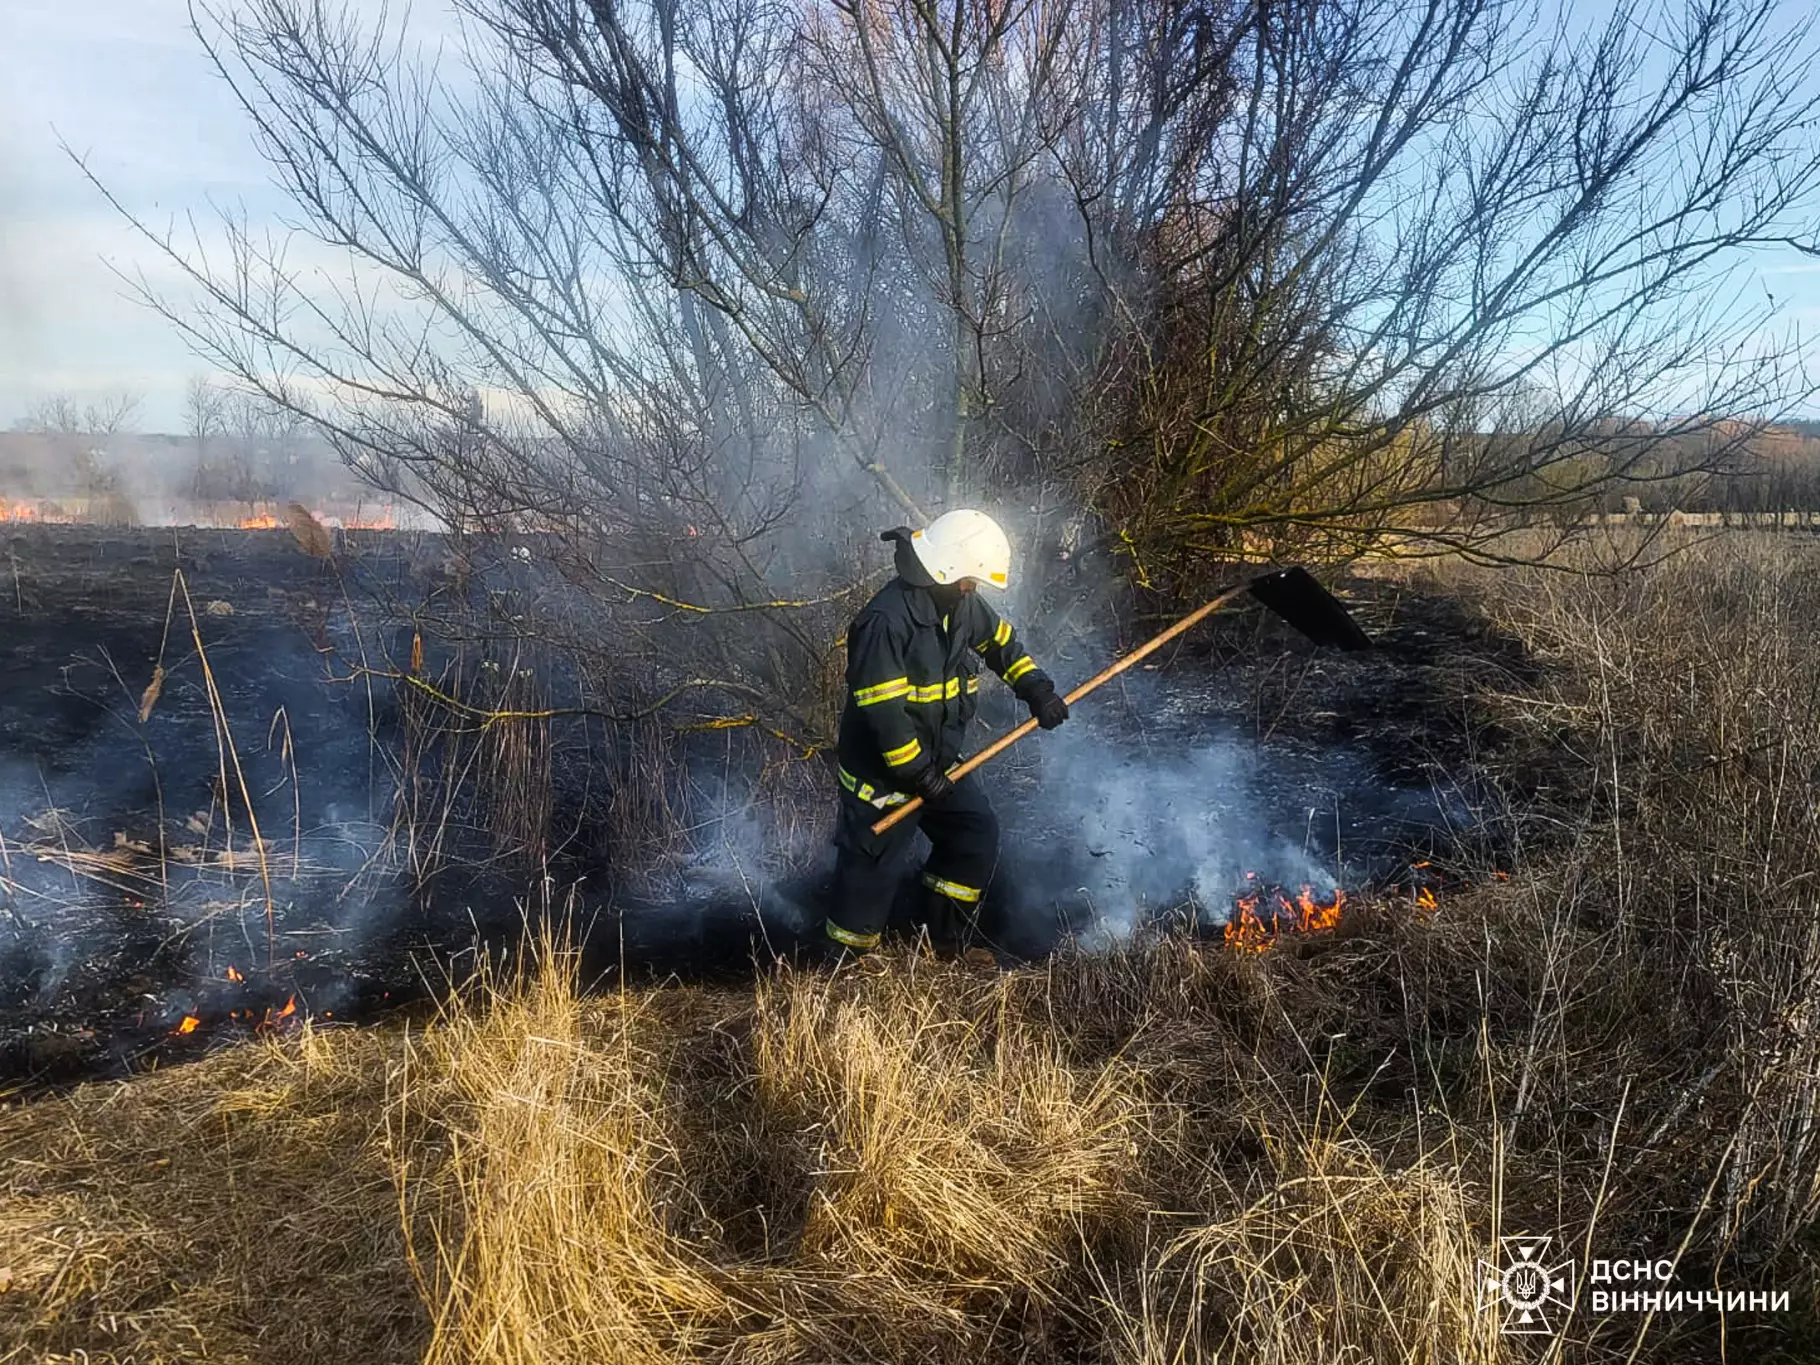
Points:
[(514, 773), (950, 1142), (238, 1209), (904, 1163), (311, 535), (557, 1183), (1340, 1258)]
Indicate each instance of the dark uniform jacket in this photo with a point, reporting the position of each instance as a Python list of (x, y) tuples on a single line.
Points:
[(913, 679)]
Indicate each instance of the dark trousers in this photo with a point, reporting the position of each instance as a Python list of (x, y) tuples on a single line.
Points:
[(963, 835)]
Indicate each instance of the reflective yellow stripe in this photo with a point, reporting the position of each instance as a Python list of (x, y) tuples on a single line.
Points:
[(1018, 669), (1002, 636), (941, 691), (952, 890), (973, 684), (885, 691), (865, 791), (904, 753), (851, 939)]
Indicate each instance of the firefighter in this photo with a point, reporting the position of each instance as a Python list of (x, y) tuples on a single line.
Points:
[(914, 656)]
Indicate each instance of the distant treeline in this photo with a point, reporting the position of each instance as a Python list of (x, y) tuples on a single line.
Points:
[(1775, 470)]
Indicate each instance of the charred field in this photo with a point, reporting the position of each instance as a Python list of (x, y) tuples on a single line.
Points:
[(1575, 815), (214, 821)]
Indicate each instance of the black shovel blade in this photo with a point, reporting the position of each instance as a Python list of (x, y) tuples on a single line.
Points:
[(1294, 595)]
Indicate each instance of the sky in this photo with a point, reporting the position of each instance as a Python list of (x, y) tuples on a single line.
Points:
[(125, 84)]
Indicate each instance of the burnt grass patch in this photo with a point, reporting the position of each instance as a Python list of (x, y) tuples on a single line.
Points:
[(134, 896)]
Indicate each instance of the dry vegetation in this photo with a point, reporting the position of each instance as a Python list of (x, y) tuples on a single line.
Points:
[(1166, 1154)]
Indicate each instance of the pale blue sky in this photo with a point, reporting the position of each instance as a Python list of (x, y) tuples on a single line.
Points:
[(125, 83)]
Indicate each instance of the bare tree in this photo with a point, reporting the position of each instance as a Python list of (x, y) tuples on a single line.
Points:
[(58, 415), (675, 283), (1435, 271), (667, 357), (82, 435), (950, 104), (111, 414), (204, 413)]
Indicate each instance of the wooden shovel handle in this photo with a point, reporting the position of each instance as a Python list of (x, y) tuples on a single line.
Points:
[(1004, 742)]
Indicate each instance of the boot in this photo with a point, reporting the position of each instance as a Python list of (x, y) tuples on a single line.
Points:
[(944, 921)]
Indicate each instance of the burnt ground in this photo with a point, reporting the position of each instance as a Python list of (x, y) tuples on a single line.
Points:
[(132, 896)]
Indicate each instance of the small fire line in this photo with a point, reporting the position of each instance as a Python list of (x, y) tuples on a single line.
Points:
[(1261, 918), (1264, 915)]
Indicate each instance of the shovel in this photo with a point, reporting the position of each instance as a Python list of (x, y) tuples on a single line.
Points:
[(1291, 593)]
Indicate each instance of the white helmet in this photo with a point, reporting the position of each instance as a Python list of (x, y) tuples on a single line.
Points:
[(964, 544)]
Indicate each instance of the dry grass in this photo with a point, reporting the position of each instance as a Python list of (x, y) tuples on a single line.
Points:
[(311, 535), (903, 1164), (1654, 1000), (1163, 1154), (236, 1210), (910, 1163)]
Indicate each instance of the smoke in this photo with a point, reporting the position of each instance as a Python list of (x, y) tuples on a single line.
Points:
[(129, 874), (1154, 798), (1129, 833)]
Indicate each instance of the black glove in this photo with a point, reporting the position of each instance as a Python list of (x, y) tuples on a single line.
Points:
[(933, 785), (1048, 708)]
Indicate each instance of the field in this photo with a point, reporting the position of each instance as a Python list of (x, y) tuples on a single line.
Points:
[(1598, 1026), (281, 826)]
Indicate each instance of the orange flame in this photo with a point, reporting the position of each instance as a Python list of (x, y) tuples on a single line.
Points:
[(189, 1025), (273, 1018), (233, 975), (50, 513), (1255, 926), (1425, 899)]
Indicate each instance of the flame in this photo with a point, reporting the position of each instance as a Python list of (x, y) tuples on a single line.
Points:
[(233, 975), (1259, 918), (1425, 899), (189, 1025), (34, 513), (275, 1018), (51, 513)]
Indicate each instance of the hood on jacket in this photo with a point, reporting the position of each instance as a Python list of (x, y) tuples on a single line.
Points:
[(909, 567)]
